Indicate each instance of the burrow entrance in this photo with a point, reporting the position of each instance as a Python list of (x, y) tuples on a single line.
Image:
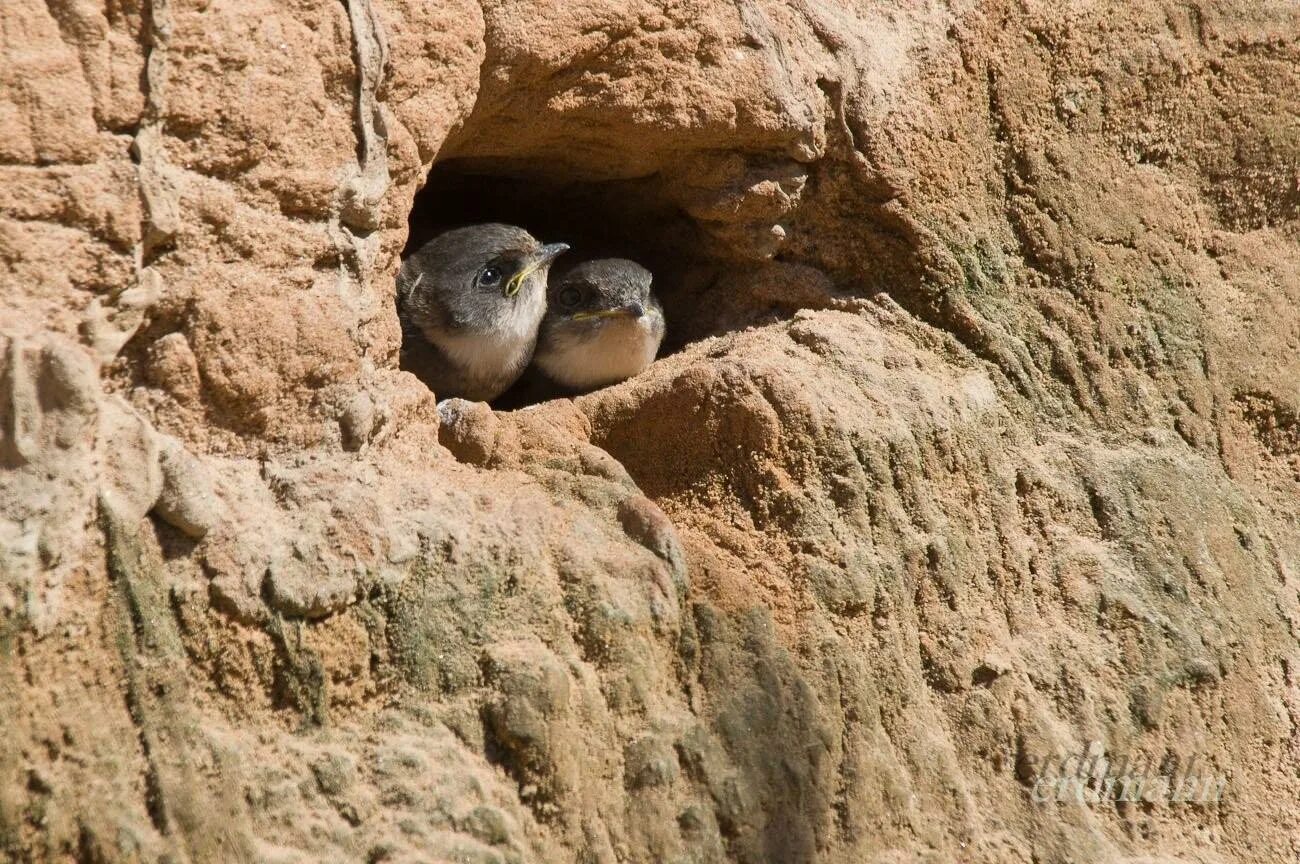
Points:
[(706, 288), (612, 218)]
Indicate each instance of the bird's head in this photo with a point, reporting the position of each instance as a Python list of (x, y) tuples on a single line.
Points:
[(601, 292), (480, 272)]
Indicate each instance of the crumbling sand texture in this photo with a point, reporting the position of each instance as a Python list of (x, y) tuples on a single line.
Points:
[(979, 439)]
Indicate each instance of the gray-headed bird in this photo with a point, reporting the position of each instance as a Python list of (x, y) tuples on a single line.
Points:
[(470, 302), (602, 325)]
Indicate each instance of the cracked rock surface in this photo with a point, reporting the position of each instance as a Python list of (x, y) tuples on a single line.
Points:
[(979, 445)]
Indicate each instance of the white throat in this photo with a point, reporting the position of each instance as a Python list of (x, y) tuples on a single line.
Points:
[(504, 349), (620, 349)]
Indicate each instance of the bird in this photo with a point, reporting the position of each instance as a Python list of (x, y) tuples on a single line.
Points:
[(470, 302), (603, 325)]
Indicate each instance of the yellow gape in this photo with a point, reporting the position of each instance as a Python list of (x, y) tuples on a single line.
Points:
[(517, 281), (603, 313)]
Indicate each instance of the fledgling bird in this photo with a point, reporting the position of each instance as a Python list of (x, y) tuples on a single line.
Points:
[(603, 325), (470, 302)]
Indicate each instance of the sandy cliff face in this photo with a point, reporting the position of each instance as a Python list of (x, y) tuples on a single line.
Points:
[(978, 441)]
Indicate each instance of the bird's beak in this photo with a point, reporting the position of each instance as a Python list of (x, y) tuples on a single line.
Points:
[(550, 252), (631, 310), (542, 258)]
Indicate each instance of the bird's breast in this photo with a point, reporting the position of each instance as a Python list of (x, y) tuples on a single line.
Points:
[(618, 350), (500, 350)]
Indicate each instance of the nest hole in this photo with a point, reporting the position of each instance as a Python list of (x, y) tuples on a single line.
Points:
[(625, 218)]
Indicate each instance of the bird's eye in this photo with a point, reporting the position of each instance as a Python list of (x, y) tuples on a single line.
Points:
[(570, 296), (490, 276)]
